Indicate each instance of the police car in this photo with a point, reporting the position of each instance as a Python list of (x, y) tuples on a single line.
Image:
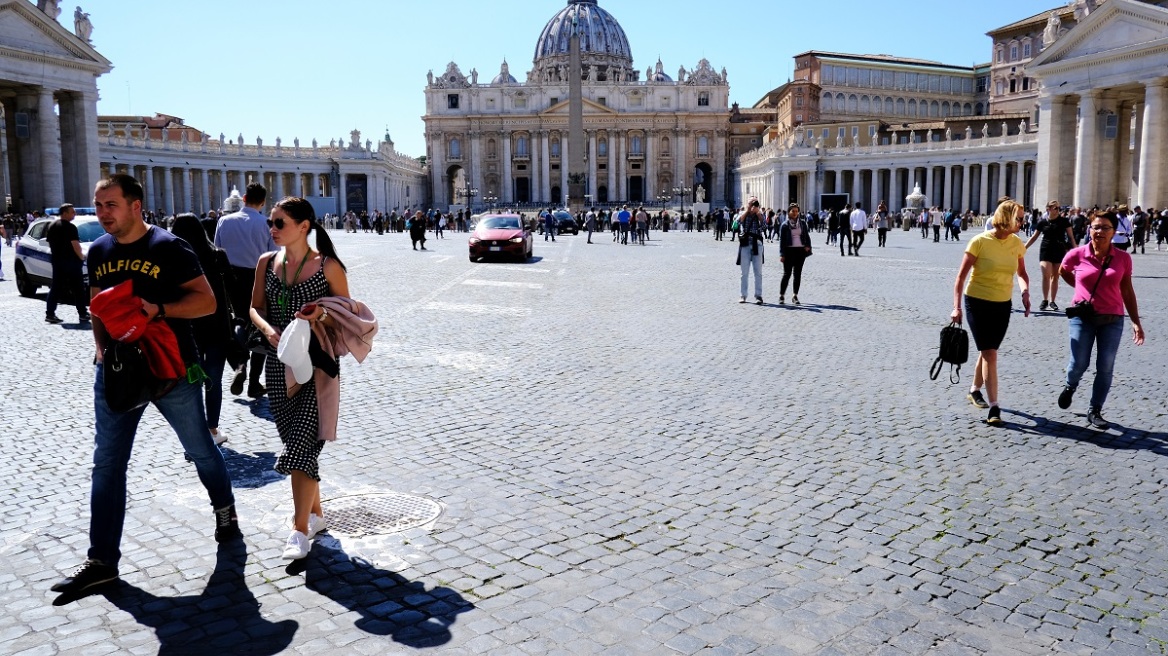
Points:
[(34, 263)]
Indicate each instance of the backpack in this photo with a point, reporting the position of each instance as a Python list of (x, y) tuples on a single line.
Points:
[(954, 350)]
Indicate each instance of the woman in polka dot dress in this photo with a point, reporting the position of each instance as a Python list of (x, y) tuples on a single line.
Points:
[(288, 282)]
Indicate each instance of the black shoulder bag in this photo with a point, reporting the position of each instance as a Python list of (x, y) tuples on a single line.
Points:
[(129, 383), (1085, 310)]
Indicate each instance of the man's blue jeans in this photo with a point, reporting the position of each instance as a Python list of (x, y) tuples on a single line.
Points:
[(183, 410), (1084, 335)]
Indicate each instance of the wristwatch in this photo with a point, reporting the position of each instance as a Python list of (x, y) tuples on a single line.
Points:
[(161, 311)]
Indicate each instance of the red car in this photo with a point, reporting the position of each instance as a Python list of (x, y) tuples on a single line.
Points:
[(501, 235)]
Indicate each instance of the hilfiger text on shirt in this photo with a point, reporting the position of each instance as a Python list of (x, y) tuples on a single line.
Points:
[(145, 267)]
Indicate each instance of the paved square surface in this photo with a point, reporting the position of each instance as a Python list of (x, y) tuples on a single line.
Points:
[(627, 462)]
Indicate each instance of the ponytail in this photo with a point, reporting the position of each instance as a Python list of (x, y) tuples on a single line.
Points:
[(324, 244)]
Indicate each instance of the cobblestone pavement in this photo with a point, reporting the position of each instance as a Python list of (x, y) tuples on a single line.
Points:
[(628, 462)]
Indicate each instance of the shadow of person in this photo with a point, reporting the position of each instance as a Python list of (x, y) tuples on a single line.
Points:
[(1116, 437), (251, 471), (389, 603), (225, 618)]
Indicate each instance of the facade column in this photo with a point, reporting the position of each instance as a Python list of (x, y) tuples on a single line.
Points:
[(206, 190), (1138, 138), (592, 182), (983, 190), (1001, 179), (476, 170), (184, 191), (856, 187), (947, 187), (1020, 182), (151, 201), (681, 171), (718, 193), (240, 182), (167, 190), (437, 174), (650, 165), (49, 136), (1087, 150), (965, 181), (934, 194), (617, 144), (1154, 141), (563, 169), (279, 189), (508, 182), (1052, 152), (545, 178), (85, 142), (611, 166)]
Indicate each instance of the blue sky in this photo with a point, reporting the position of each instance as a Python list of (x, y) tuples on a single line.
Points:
[(294, 68)]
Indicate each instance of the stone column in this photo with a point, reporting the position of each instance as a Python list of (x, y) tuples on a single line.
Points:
[(1153, 191), (1052, 113), (48, 136), (86, 143), (476, 168), (545, 162), (856, 187), (563, 169), (167, 190), (240, 182), (278, 192), (151, 200), (947, 187), (611, 160), (592, 181), (682, 173), (983, 190), (508, 182), (184, 191), (1020, 182), (1135, 154), (717, 195), (206, 190), (617, 146), (1001, 180), (965, 190), (651, 185), (934, 193), (1086, 150)]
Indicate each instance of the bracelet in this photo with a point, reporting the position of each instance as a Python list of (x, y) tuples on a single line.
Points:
[(323, 314)]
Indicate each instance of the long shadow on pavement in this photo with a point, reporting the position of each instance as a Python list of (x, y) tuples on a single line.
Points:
[(389, 603), (1116, 437), (224, 618), (251, 471)]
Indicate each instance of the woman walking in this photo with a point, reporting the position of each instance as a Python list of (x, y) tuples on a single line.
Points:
[(288, 282), (417, 228), (1101, 274), (1057, 237), (213, 332), (750, 249), (993, 257), (794, 249)]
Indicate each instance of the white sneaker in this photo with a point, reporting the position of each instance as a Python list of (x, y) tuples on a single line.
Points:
[(219, 438), (297, 546), (316, 524)]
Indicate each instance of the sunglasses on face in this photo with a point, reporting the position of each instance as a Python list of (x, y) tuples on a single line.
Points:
[(278, 223)]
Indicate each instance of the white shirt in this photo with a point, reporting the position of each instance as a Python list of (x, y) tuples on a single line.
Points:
[(858, 219)]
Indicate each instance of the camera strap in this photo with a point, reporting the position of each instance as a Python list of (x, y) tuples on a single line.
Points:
[(1106, 263)]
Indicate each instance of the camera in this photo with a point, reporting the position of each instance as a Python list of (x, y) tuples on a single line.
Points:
[(1082, 310)]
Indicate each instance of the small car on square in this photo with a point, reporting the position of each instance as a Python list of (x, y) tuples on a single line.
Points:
[(34, 261), (503, 236)]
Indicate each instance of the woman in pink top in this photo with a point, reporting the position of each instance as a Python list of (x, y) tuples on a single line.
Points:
[(1101, 275)]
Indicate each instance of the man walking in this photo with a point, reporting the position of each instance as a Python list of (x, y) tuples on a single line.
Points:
[(859, 222), (245, 236), (173, 290), (624, 217), (66, 256), (642, 225), (750, 249), (590, 223)]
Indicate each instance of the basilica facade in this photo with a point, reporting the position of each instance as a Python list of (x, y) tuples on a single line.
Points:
[(649, 135)]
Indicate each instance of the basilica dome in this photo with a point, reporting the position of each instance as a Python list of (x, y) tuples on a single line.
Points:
[(602, 40)]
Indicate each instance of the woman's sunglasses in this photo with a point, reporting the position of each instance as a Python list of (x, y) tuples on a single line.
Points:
[(278, 223)]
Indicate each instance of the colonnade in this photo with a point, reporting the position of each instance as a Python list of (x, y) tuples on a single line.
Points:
[(50, 139), (175, 189)]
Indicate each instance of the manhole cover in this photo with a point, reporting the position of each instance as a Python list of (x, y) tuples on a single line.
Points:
[(378, 514)]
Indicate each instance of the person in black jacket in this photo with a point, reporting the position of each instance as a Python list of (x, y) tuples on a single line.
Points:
[(213, 333), (750, 249), (794, 248)]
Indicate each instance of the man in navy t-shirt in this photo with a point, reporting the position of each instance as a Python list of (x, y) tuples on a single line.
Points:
[(167, 277)]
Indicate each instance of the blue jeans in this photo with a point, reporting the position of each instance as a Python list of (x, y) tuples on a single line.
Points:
[(114, 439), (747, 262), (1084, 335), (214, 360)]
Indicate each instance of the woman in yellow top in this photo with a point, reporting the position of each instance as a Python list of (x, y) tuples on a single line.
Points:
[(994, 257)]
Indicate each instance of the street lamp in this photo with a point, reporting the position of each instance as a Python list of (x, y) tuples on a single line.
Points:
[(468, 193), (664, 197), (681, 193), (491, 199)]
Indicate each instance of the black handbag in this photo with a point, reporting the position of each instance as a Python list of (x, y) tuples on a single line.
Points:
[(249, 337), (129, 383), (954, 350), (1085, 310)]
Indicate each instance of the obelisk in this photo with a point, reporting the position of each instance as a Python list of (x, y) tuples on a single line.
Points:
[(577, 169)]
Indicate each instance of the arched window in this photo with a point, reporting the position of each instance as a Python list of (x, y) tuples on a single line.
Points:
[(888, 106), (945, 108), (492, 151), (826, 106), (554, 148), (934, 109), (635, 145), (602, 148), (853, 104), (967, 110), (521, 146), (912, 107), (455, 148), (900, 106), (664, 145), (703, 145), (840, 103), (978, 109), (865, 104)]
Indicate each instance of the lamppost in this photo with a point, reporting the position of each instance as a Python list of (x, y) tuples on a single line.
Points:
[(664, 197), (681, 193), (467, 193), (491, 199)]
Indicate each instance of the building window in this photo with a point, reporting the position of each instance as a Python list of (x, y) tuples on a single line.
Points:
[(521, 146), (664, 145), (603, 101), (798, 118), (520, 102), (1001, 55), (635, 146), (491, 149), (1026, 50), (704, 99), (855, 133), (799, 101), (602, 148), (841, 134), (703, 146), (665, 101), (555, 148), (1013, 52), (1111, 127), (455, 148), (825, 105), (826, 134), (871, 131), (983, 84), (452, 101)]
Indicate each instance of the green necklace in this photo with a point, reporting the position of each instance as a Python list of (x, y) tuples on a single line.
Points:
[(285, 296)]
